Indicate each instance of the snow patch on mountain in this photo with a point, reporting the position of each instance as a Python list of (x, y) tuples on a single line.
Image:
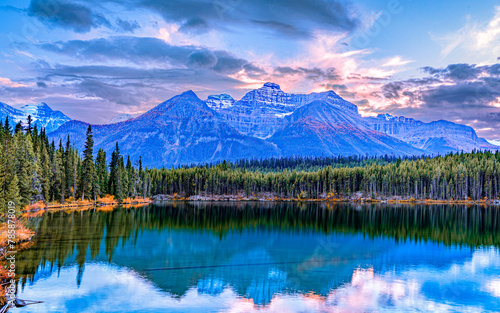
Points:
[(495, 142), (41, 115), (121, 118)]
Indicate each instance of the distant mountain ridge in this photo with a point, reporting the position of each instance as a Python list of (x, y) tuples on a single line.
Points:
[(41, 114), (265, 122), (436, 137)]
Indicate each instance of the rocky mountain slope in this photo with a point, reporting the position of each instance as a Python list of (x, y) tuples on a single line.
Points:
[(436, 137), (326, 127)]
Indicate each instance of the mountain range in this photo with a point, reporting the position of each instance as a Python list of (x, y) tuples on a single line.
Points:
[(266, 122)]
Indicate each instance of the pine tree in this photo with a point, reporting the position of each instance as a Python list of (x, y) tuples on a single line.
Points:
[(19, 128), (87, 177), (101, 173), (115, 176), (29, 129), (7, 128)]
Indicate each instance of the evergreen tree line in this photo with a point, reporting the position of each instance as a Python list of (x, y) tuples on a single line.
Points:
[(459, 176), (311, 163), (34, 169)]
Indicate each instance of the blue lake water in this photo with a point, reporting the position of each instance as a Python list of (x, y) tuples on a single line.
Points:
[(264, 257)]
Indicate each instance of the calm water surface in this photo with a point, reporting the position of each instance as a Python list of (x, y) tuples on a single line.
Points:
[(266, 257)]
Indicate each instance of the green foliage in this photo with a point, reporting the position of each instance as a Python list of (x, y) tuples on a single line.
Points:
[(452, 177)]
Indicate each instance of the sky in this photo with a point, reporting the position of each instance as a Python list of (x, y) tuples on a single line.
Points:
[(94, 59)]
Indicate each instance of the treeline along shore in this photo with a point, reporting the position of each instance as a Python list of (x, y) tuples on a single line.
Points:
[(460, 177), (35, 170)]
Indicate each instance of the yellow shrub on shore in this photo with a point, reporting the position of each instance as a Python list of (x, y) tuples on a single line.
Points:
[(106, 199), (35, 206)]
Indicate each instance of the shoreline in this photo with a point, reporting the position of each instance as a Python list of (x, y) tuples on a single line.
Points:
[(158, 199)]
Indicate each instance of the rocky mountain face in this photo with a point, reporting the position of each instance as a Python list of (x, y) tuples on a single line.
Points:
[(218, 102), (41, 114), (435, 137), (324, 127), (260, 113), (181, 130)]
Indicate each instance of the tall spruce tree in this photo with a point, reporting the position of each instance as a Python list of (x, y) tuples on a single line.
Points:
[(115, 175), (87, 176)]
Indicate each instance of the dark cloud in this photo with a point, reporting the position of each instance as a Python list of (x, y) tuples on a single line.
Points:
[(194, 25), (141, 50), (132, 49), (335, 87), (314, 73), (227, 63), (274, 16), (41, 84), (285, 70), (66, 14), (120, 85), (283, 28), (392, 90), (203, 58), (253, 70), (125, 26), (457, 72)]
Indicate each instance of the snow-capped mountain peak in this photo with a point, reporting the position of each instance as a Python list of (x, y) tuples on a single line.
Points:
[(41, 115), (222, 101), (386, 116)]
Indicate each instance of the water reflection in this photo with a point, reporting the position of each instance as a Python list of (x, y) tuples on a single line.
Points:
[(269, 257)]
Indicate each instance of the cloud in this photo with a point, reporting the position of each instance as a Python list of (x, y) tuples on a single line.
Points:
[(9, 83), (313, 73), (396, 61), (203, 58), (125, 26), (477, 39), (456, 72), (283, 29), (273, 16), (66, 14), (142, 50)]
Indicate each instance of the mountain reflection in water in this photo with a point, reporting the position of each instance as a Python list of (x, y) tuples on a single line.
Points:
[(278, 257)]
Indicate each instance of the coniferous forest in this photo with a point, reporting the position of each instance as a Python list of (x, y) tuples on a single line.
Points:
[(35, 169)]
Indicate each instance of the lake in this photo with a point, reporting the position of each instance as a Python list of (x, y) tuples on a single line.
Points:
[(264, 257)]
